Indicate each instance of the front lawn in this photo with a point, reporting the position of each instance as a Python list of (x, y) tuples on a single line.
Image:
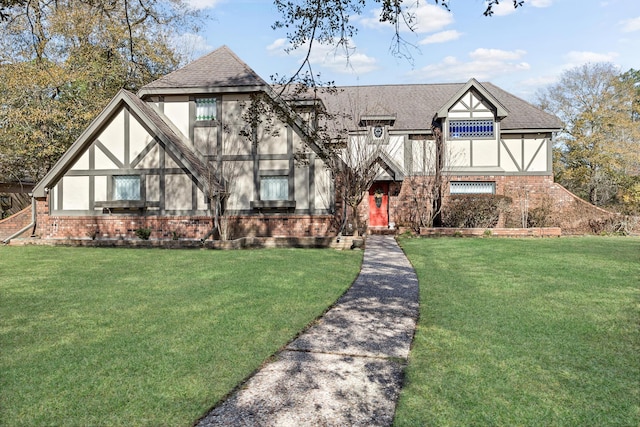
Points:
[(148, 337), (525, 332)]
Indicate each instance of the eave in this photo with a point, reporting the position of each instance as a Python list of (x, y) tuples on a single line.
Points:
[(147, 92)]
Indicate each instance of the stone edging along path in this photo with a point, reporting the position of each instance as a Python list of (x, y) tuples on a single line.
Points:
[(346, 369)]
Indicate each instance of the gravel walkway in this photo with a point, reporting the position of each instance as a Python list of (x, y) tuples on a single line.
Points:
[(346, 369)]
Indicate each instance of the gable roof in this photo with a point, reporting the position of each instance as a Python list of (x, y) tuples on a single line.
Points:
[(171, 138), (221, 71), (415, 105), (501, 112), (218, 71), (389, 166)]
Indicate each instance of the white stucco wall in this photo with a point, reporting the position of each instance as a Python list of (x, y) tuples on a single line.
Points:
[(322, 186), (177, 194), (100, 188), (139, 138), (176, 108), (75, 193), (485, 153), (153, 188), (511, 153), (151, 159), (112, 137), (301, 191), (82, 163), (535, 154)]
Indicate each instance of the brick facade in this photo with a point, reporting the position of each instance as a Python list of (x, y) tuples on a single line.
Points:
[(124, 226), (565, 210), (526, 193)]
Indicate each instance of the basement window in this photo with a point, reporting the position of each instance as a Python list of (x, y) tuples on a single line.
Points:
[(472, 187)]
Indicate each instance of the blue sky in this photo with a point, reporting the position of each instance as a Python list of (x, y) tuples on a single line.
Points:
[(519, 50)]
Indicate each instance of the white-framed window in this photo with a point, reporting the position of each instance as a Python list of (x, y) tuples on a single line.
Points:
[(472, 187), (206, 109), (274, 188), (468, 129), (126, 187)]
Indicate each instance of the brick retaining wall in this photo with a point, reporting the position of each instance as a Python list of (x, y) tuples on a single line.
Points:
[(15, 223), (492, 232), (565, 210)]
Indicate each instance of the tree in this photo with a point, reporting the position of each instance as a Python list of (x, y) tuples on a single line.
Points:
[(6, 5), (425, 177), (259, 119), (329, 22), (351, 151), (61, 62), (600, 144)]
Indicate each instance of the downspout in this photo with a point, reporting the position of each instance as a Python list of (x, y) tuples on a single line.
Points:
[(32, 224)]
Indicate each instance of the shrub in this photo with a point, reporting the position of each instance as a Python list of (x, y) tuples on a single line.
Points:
[(143, 233), (540, 216), (614, 225), (474, 211)]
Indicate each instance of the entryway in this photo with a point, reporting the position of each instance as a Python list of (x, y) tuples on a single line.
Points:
[(379, 205)]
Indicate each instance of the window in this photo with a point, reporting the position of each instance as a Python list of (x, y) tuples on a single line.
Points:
[(205, 109), (460, 129), (274, 188), (464, 187), (126, 187)]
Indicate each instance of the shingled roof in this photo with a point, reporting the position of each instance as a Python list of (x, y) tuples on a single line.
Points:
[(415, 105), (218, 69)]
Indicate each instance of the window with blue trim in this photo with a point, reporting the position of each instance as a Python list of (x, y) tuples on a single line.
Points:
[(469, 129)]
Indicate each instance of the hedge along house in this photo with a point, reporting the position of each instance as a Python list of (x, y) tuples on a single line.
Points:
[(154, 160)]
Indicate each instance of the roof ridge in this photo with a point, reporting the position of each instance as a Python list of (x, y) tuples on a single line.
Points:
[(220, 67)]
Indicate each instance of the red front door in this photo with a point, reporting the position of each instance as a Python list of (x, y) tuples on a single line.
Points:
[(379, 205)]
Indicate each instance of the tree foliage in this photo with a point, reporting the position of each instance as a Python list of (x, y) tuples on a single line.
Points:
[(329, 22), (598, 153), (61, 62)]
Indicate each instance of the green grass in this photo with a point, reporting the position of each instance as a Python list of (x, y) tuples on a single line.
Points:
[(525, 332), (148, 337)]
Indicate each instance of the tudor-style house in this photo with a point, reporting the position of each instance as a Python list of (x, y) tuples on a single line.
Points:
[(157, 159)]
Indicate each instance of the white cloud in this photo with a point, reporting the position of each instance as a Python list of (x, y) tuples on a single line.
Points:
[(426, 18), (504, 8), (482, 54), (202, 4), (575, 58), (540, 3), (328, 56), (277, 47), (357, 63), (442, 37), (484, 64), (539, 82), (630, 25)]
